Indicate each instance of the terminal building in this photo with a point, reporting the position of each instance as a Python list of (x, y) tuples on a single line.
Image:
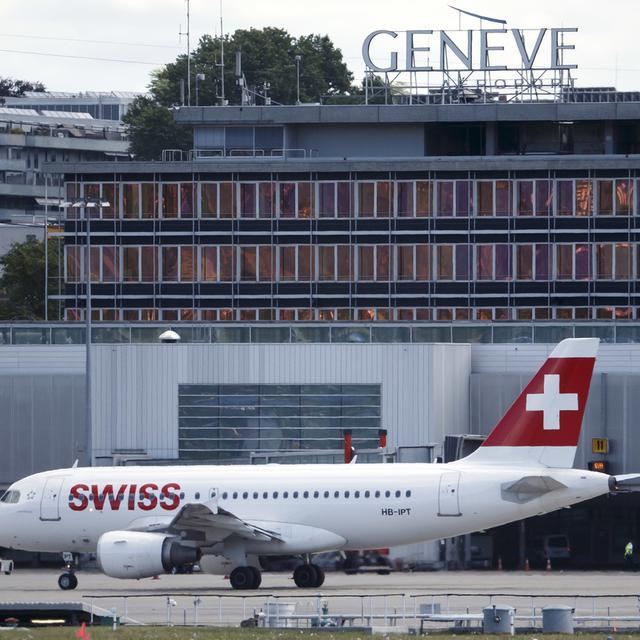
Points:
[(404, 267)]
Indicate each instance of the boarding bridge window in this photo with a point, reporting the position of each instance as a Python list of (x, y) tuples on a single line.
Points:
[(228, 422)]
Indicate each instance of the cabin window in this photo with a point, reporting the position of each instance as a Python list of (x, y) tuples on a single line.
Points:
[(367, 494), (336, 494), (235, 495), (316, 494), (225, 495), (285, 494), (245, 495), (197, 495), (265, 495), (295, 494), (346, 494), (356, 494), (275, 495), (387, 494), (305, 494), (408, 494), (377, 494), (255, 495), (398, 494), (326, 494)]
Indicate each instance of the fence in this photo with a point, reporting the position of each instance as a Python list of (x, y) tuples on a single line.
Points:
[(427, 611)]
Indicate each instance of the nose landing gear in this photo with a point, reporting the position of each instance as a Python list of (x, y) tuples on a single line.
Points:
[(68, 580)]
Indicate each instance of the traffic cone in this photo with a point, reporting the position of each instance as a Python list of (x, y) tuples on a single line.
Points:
[(82, 632), (500, 564), (548, 564), (526, 565)]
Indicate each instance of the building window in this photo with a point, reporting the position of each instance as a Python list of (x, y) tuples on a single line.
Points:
[(169, 200), (208, 199), (247, 199), (131, 200), (226, 422)]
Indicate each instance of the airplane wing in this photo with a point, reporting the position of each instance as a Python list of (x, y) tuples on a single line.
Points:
[(200, 522)]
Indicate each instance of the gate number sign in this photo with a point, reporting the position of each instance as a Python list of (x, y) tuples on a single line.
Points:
[(600, 445)]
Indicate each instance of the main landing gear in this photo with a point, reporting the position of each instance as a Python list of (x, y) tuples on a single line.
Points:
[(308, 576), (68, 580), (243, 578)]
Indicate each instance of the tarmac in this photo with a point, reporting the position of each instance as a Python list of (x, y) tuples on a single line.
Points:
[(362, 600)]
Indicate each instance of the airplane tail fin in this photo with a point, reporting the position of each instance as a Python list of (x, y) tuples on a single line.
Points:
[(542, 427)]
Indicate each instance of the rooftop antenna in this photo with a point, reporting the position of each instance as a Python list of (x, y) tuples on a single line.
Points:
[(221, 58), (188, 34)]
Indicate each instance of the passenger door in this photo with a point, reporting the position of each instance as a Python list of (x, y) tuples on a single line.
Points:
[(448, 495), (50, 503)]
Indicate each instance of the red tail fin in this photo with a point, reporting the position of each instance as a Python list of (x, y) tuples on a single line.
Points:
[(543, 425)]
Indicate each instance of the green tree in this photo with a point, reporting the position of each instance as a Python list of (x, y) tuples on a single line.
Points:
[(15, 88), (152, 129), (22, 280), (268, 57)]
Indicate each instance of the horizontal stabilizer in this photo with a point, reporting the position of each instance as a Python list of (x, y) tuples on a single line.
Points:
[(625, 484), (529, 488)]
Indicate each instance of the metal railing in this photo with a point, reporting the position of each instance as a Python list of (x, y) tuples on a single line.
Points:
[(426, 611)]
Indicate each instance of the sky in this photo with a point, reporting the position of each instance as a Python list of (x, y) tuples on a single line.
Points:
[(84, 45)]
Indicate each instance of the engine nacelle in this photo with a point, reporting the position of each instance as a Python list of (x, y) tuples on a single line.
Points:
[(136, 554)]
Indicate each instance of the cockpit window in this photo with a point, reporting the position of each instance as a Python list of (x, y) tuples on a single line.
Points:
[(10, 497)]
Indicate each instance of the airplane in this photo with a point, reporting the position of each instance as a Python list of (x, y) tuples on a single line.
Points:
[(143, 521)]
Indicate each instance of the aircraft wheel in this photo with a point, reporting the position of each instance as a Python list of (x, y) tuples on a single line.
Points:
[(319, 576), (242, 578), (257, 577), (305, 576), (67, 581)]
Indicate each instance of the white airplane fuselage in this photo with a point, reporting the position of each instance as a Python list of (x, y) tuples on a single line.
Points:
[(310, 507)]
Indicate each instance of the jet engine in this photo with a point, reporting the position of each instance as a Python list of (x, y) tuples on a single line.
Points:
[(136, 554)]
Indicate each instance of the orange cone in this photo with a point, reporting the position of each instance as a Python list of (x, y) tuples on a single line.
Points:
[(82, 632)]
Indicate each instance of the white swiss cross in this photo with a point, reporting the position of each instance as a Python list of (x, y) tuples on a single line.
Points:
[(551, 402)]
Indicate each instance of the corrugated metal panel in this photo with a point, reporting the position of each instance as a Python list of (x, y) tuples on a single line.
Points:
[(20, 360), (500, 358), (43, 423), (135, 387)]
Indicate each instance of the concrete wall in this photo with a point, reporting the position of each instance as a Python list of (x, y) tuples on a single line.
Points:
[(357, 140)]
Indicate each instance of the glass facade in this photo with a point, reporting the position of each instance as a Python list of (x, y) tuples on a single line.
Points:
[(229, 421), (305, 247)]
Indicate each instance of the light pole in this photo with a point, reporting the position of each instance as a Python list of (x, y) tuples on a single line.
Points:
[(298, 58), (199, 78), (87, 204)]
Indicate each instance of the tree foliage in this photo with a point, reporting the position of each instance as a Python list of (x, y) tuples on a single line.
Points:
[(268, 58), (268, 65), (11, 88), (152, 129), (22, 280)]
